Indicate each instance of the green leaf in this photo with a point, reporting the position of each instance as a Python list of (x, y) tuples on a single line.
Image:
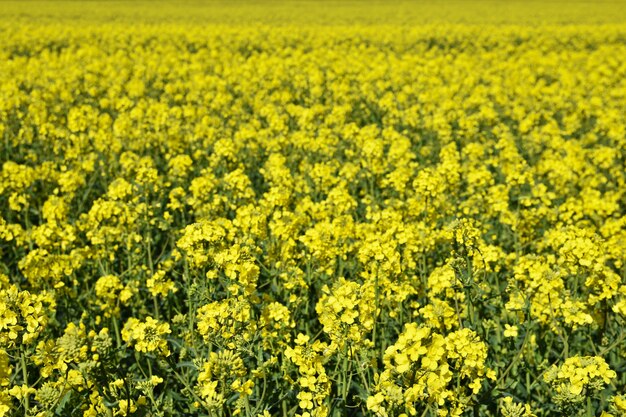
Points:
[(63, 402)]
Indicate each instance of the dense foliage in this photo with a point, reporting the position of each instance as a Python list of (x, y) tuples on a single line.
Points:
[(204, 216)]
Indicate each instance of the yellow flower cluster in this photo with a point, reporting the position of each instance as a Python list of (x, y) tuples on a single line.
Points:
[(618, 406), (312, 208), (23, 316), (577, 375), (227, 320), (147, 336), (223, 374), (347, 313), (313, 380), (425, 368), (111, 293), (512, 409)]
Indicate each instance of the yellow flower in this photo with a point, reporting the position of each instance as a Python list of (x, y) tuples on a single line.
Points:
[(306, 400), (21, 391), (510, 331), (147, 336)]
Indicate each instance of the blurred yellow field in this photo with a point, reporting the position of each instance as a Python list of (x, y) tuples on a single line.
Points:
[(312, 208)]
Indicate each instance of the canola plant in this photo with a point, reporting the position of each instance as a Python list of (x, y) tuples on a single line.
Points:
[(312, 209)]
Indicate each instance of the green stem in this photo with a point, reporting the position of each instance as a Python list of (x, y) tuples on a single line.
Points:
[(516, 358), (25, 377), (376, 307), (116, 327)]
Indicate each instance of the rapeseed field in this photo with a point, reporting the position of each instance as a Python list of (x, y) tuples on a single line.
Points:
[(312, 208)]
